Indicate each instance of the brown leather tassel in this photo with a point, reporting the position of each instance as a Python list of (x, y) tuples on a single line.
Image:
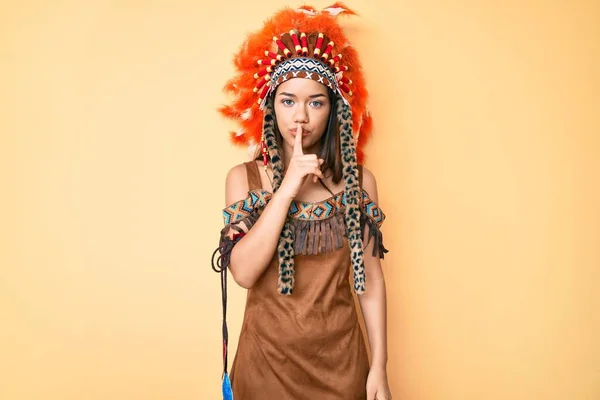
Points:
[(375, 233), (311, 239), (301, 237), (315, 244), (327, 241)]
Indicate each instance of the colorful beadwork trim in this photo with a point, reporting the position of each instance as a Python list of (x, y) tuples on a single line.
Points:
[(305, 211)]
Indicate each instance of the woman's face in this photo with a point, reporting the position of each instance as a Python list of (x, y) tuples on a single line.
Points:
[(303, 101)]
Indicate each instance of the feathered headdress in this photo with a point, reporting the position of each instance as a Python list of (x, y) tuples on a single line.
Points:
[(289, 34)]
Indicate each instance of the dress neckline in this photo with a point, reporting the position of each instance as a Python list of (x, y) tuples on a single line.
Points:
[(334, 196)]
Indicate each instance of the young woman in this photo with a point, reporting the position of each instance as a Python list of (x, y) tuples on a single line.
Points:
[(299, 218)]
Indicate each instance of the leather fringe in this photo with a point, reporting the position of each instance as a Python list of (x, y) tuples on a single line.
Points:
[(326, 236)]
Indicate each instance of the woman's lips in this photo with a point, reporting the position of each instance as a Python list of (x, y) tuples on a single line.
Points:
[(304, 133)]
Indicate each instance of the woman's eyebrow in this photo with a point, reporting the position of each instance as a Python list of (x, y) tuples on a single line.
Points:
[(312, 96)]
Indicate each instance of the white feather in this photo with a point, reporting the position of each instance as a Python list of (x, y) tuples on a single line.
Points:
[(247, 114), (307, 12), (334, 10)]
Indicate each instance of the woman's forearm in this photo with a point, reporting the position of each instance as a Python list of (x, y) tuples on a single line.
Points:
[(373, 305), (253, 253)]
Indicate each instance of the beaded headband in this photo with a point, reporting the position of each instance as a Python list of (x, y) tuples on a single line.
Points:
[(317, 68)]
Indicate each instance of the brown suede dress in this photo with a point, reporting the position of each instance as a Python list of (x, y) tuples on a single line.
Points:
[(305, 346)]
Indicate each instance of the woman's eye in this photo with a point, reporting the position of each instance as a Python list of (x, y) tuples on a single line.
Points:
[(287, 102), (316, 103)]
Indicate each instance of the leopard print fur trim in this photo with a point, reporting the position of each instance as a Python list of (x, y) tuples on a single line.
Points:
[(285, 246), (353, 195), (271, 142)]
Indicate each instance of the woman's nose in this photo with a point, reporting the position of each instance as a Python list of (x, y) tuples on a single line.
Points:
[(300, 115)]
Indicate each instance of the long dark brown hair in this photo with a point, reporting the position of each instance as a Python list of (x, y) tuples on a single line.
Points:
[(330, 141)]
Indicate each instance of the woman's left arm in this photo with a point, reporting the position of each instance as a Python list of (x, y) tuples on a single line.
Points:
[(374, 308)]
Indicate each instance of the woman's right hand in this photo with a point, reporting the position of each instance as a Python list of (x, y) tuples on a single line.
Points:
[(301, 165)]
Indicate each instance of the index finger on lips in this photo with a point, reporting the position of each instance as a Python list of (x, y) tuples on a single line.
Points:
[(298, 141)]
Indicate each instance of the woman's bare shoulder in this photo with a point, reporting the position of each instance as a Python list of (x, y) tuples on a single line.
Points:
[(369, 183)]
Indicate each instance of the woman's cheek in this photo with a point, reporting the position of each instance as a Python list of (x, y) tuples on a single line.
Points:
[(323, 117)]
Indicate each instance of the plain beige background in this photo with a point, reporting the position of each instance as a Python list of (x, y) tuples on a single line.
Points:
[(112, 165)]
